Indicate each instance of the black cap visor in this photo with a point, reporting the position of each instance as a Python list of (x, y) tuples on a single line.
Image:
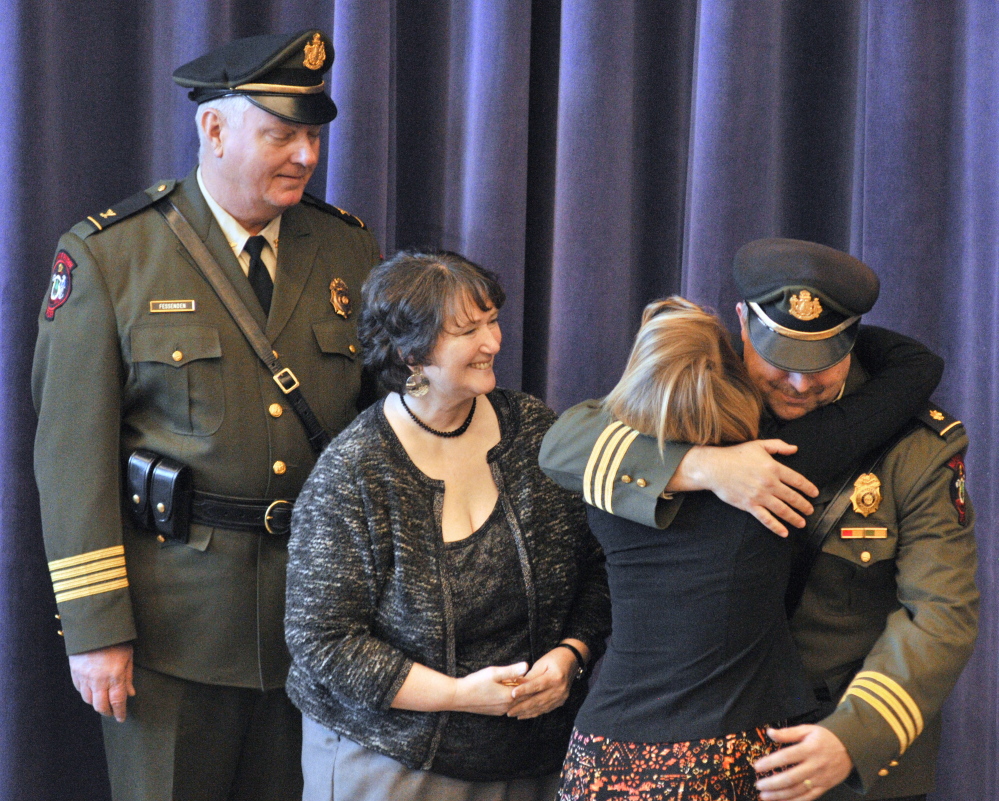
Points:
[(800, 356), (315, 109)]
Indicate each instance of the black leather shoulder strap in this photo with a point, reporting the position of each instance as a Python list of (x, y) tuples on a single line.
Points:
[(319, 438)]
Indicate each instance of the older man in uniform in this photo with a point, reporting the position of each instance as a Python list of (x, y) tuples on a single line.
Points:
[(884, 602), (196, 349)]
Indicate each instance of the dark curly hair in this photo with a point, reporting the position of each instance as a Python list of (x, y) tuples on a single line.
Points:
[(406, 303)]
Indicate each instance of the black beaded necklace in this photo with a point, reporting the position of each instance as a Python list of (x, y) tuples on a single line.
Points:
[(446, 434)]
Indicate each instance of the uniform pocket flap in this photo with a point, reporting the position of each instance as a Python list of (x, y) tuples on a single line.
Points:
[(336, 336), (863, 551), (175, 345)]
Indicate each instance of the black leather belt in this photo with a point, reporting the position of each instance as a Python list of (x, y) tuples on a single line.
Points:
[(242, 514)]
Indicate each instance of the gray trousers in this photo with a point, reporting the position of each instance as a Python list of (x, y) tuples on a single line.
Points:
[(338, 769), (185, 741)]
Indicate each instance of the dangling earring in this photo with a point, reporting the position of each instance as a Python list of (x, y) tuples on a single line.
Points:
[(417, 384)]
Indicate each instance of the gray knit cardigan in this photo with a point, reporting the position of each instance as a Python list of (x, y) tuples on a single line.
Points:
[(365, 597)]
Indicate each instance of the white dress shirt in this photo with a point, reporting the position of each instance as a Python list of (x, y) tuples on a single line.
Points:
[(237, 235)]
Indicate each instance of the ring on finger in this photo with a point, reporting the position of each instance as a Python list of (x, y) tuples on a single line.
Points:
[(808, 784)]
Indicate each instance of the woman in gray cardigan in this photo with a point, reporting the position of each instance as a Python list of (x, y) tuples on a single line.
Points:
[(444, 596)]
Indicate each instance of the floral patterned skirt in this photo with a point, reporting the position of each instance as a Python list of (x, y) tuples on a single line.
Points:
[(716, 769)]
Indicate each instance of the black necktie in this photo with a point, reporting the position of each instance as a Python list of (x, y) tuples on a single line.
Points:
[(260, 279)]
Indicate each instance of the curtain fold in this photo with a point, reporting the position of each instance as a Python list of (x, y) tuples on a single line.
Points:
[(595, 155)]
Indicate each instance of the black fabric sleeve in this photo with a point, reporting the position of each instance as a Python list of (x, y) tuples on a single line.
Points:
[(903, 374)]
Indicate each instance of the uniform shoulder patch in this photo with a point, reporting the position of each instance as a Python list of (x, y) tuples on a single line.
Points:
[(939, 421), (61, 284), (958, 495), (346, 216), (123, 210)]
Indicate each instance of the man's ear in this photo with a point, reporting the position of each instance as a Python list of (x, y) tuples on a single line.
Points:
[(213, 127), (743, 311)]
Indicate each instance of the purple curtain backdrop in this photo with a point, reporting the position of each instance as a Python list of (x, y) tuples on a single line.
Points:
[(597, 155)]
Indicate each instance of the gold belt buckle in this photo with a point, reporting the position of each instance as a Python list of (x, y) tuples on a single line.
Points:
[(268, 515)]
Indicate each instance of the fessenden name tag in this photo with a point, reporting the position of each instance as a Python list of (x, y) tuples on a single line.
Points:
[(158, 306)]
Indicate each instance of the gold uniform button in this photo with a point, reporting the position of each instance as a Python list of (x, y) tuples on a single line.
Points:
[(160, 538), (177, 355), (280, 468), (625, 479), (883, 772), (642, 482), (275, 410), (58, 617), (161, 508), (352, 348), (865, 557), (893, 763), (136, 499), (60, 633)]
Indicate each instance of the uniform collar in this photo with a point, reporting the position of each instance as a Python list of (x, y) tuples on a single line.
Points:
[(235, 234)]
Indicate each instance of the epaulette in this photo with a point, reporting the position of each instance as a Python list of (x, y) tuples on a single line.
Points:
[(938, 420), (346, 216), (120, 211)]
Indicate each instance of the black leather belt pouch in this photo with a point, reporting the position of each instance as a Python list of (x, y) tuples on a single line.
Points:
[(170, 499), (160, 494), (138, 475)]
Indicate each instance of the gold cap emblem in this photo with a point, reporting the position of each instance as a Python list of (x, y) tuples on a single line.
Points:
[(866, 497), (936, 415), (339, 297), (804, 306), (315, 53)]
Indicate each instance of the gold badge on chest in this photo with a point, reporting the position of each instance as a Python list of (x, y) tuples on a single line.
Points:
[(866, 497), (339, 297)]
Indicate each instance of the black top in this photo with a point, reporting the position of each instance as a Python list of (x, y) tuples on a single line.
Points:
[(491, 624), (701, 646)]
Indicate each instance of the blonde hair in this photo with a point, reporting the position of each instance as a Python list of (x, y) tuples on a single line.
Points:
[(683, 381)]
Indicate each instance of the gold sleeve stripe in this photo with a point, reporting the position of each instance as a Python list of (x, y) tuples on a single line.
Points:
[(881, 709), (90, 556), (615, 465), (899, 691), (83, 592), (901, 713), (88, 581), (93, 567), (600, 474), (591, 463)]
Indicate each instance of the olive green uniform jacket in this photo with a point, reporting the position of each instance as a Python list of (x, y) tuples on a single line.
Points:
[(112, 375), (886, 624)]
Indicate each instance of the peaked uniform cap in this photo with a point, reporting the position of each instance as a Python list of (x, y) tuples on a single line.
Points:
[(804, 301), (280, 73)]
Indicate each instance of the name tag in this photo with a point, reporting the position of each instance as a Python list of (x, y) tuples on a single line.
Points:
[(863, 533), (159, 306)]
